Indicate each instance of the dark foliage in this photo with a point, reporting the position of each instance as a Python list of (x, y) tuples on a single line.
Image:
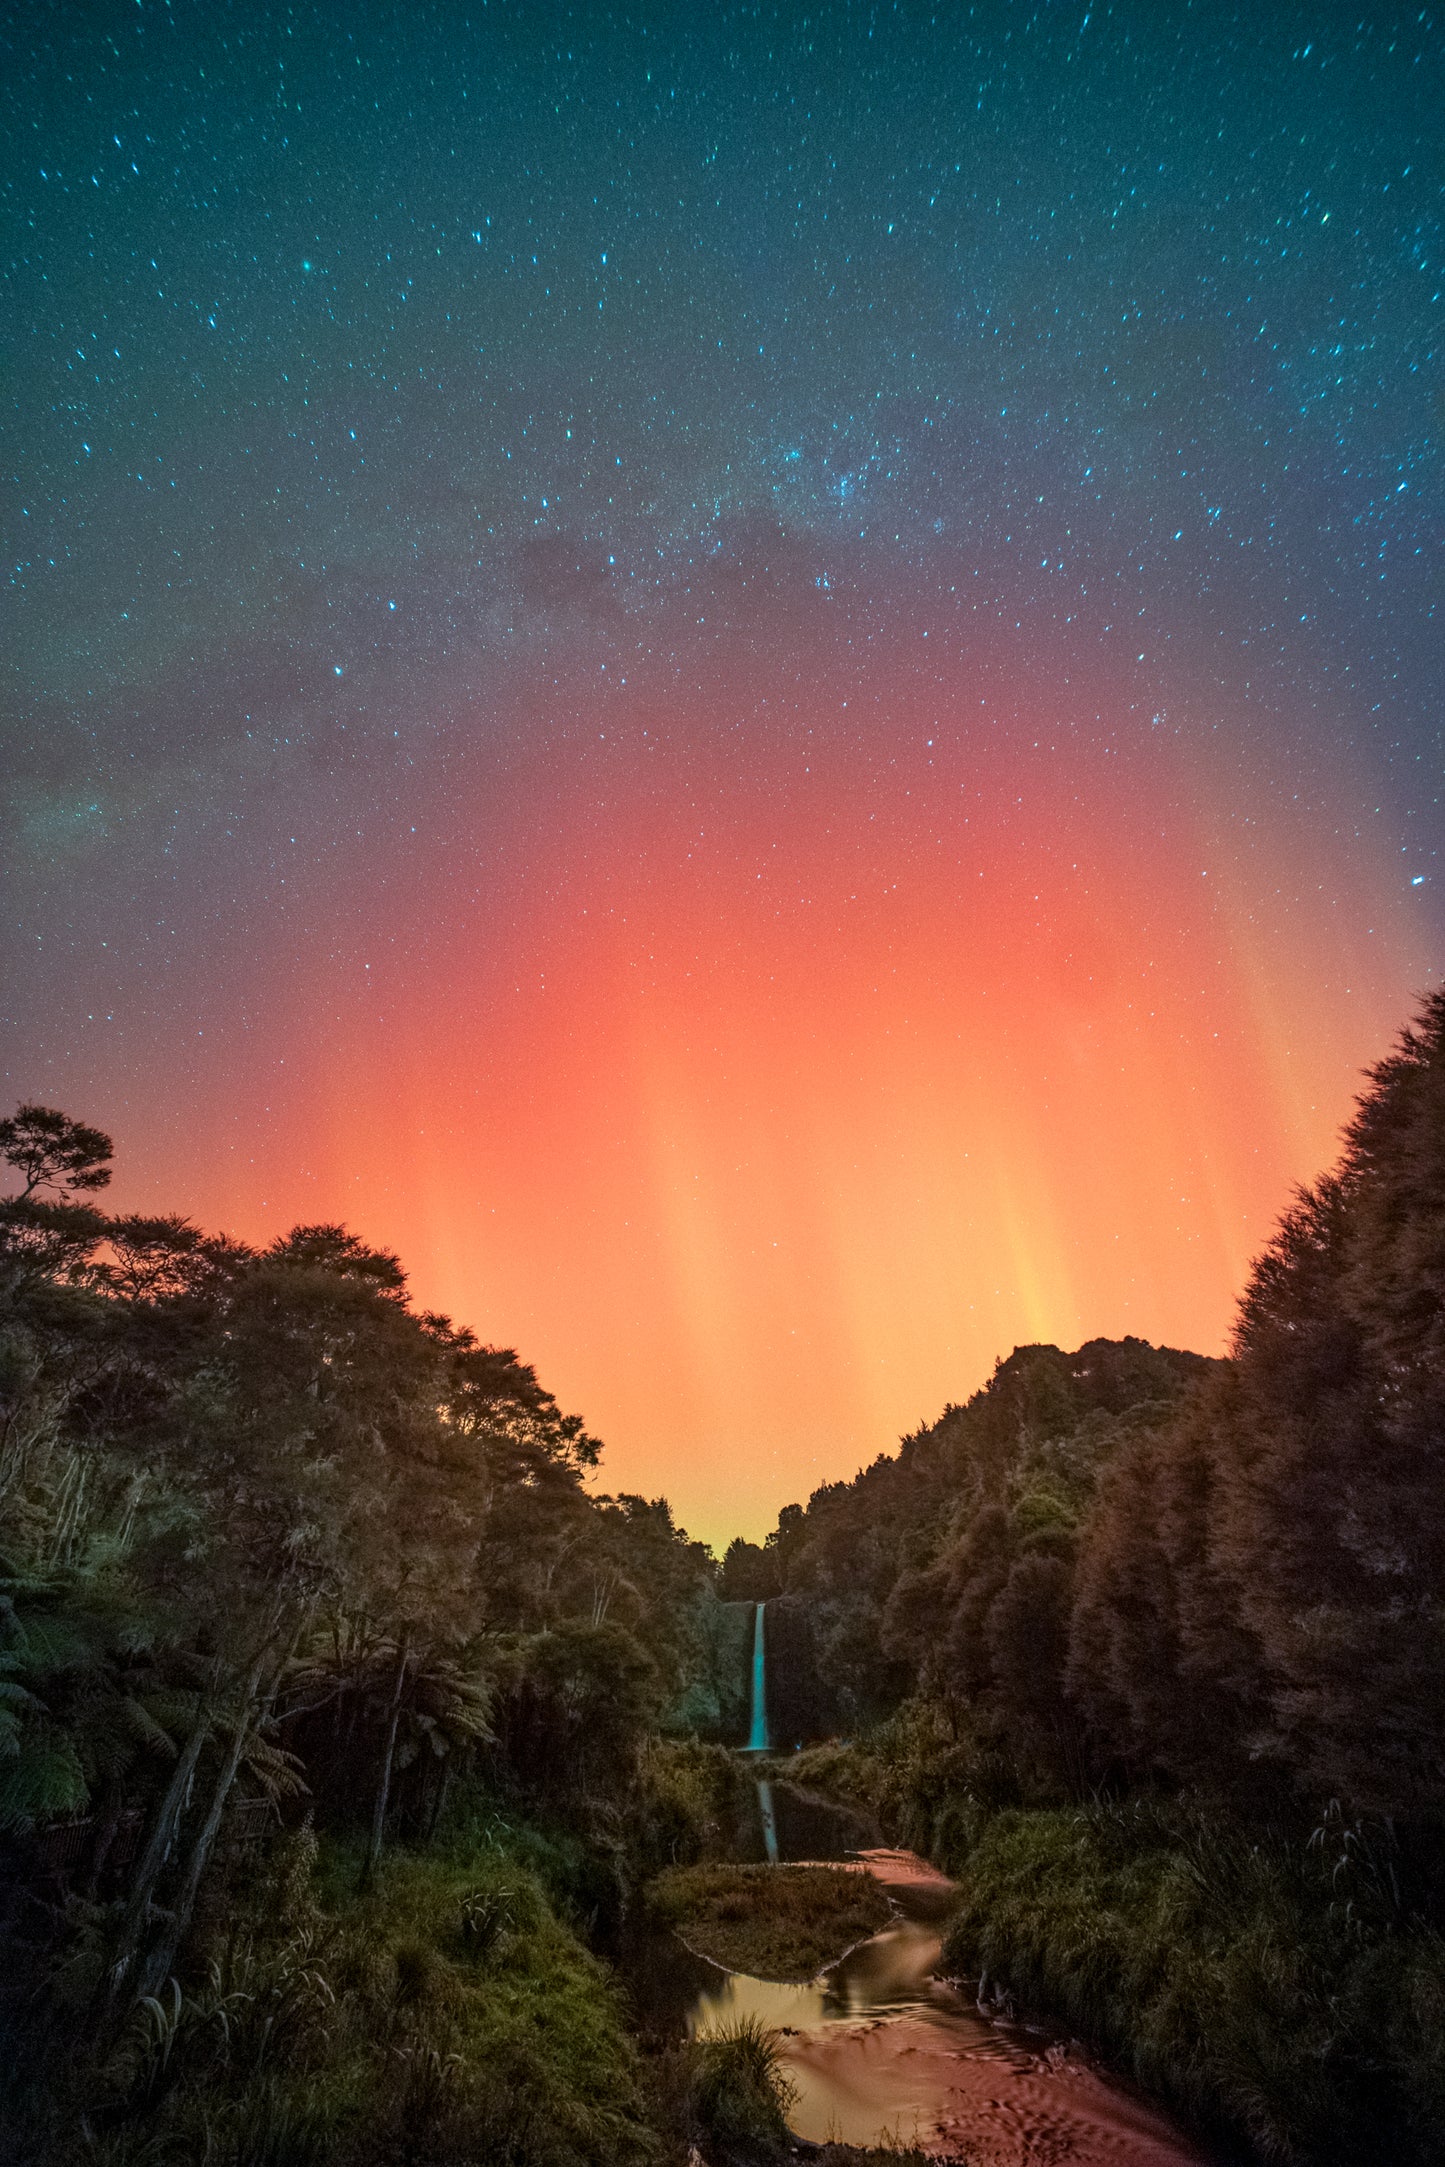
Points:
[(949, 1568), (1161, 1645), (275, 1545)]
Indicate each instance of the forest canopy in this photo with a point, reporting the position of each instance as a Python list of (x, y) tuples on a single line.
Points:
[(1130, 1565), (271, 1534)]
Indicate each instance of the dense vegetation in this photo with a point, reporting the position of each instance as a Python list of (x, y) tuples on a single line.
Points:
[(1155, 1648), (772, 1922), (342, 1725), (330, 1703)]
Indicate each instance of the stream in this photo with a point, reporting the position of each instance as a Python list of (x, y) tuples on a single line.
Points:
[(880, 2051)]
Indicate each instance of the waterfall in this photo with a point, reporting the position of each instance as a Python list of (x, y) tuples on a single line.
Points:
[(758, 1734)]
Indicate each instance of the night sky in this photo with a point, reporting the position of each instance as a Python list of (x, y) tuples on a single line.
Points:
[(764, 682)]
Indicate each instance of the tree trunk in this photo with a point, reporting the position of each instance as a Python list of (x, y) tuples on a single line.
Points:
[(439, 1797), (153, 1858), (161, 1959), (105, 1836), (383, 1788)]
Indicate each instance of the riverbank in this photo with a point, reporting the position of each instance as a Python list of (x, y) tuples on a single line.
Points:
[(1245, 1982), (1273, 1985), (879, 2051)]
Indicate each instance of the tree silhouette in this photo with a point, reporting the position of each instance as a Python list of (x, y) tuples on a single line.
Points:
[(51, 1152)]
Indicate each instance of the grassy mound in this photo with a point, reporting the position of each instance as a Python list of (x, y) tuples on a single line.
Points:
[(448, 2017), (730, 2095), (773, 1922)]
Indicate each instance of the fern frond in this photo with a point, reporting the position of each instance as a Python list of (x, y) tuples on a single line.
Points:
[(43, 1782), (276, 1770)]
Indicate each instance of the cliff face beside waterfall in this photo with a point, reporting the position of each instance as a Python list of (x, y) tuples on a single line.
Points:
[(717, 1703)]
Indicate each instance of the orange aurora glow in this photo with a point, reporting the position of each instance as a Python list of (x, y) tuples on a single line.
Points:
[(777, 1090)]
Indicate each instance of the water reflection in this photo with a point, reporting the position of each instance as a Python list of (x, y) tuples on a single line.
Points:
[(856, 2098), (768, 1815), (805, 1827), (880, 2051), (885, 1977)]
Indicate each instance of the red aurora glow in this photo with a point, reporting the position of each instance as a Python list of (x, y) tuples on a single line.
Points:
[(785, 1077)]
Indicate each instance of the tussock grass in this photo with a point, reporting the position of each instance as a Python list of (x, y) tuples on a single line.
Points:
[(1222, 1973), (726, 2098), (729, 2096), (773, 1922)]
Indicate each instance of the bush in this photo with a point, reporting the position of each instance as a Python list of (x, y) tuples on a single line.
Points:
[(731, 2095), (690, 1800), (926, 1785), (1233, 1977)]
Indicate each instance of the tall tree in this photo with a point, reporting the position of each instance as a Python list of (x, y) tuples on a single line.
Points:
[(1335, 1528)]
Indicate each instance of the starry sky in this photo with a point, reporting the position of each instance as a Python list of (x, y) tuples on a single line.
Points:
[(763, 681)]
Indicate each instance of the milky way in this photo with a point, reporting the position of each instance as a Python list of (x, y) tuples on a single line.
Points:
[(765, 682)]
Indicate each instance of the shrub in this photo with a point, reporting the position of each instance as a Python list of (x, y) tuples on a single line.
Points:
[(1224, 1973), (734, 2097)]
